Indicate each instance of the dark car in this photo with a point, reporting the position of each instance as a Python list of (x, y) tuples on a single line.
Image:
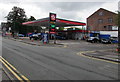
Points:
[(35, 36), (114, 39), (60, 38), (106, 41), (93, 39)]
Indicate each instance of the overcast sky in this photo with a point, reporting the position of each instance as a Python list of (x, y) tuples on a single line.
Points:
[(77, 10)]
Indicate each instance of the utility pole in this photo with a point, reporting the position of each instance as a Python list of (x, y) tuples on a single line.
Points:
[(119, 32), (119, 26)]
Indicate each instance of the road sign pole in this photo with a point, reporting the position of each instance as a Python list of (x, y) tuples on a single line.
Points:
[(48, 33), (55, 37)]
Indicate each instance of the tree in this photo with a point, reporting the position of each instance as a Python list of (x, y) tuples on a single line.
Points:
[(15, 18), (33, 28), (61, 28), (31, 18), (30, 28)]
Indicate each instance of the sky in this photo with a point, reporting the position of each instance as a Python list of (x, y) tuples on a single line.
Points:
[(76, 10)]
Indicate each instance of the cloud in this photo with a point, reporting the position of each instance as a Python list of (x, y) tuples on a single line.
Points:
[(67, 10), (4, 8), (78, 11), (75, 6), (112, 6)]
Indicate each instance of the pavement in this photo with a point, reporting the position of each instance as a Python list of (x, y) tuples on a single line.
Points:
[(5, 77), (56, 63), (37, 42), (109, 54)]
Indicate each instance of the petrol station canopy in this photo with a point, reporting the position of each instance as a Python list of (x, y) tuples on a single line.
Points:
[(59, 23)]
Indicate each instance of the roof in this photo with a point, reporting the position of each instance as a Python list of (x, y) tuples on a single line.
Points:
[(101, 9), (59, 22)]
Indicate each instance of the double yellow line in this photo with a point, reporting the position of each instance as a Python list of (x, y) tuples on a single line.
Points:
[(13, 70)]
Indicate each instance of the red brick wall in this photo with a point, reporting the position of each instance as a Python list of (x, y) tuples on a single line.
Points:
[(94, 25)]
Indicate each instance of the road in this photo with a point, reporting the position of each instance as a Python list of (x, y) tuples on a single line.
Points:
[(54, 63)]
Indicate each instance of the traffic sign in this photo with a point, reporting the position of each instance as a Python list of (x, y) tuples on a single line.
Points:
[(52, 20), (52, 17)]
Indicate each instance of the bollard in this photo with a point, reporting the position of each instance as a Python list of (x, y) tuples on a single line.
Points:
[(44, 42), (118, 50), (32, 39)]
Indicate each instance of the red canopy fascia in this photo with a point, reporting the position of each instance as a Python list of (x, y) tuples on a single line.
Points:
[(71, 22), (59, 22)]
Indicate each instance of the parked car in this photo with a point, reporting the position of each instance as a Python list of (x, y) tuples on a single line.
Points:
[(93, 39), (60, 38), (106, 41), (21, 35), (28, 34), (33, 36), (114, 39)]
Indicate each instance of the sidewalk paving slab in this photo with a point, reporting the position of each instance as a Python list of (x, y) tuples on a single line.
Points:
[(38, 43), (110, 55)]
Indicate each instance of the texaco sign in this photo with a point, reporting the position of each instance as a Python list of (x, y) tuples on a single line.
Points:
[(52, 17)]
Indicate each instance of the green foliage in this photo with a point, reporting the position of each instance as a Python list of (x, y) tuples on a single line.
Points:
[(61, 28), (32, 28), (118, 19), (15, 18), (31, 18)]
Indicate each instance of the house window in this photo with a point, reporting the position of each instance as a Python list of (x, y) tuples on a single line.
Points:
[(110, 20), (100, 13), (100, 21)]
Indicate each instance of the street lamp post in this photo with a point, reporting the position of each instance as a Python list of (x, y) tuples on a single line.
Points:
[(55, 34), (119, 26), (119, 32), (82, 32)]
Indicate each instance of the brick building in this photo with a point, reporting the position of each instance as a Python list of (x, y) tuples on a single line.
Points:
[(102, 20)]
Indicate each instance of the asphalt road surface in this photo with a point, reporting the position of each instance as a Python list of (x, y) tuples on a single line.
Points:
[(54, 63)]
